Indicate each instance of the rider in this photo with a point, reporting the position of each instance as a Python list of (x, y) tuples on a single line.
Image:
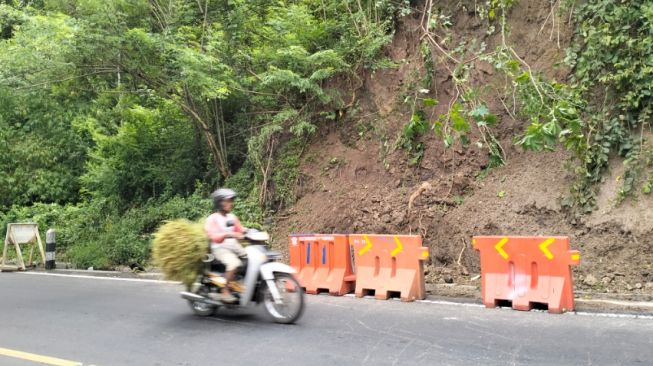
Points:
[(224, 230)]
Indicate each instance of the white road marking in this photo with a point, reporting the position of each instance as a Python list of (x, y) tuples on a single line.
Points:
[(613, 315), (97, 277), (475, 305), (442, 302)]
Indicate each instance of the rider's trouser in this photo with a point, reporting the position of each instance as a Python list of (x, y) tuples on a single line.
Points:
[(229, 253)]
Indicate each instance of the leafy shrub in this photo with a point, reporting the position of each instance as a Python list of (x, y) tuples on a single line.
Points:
[(94, 234)]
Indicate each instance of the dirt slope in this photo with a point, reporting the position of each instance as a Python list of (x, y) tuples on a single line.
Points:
[(354, 181)]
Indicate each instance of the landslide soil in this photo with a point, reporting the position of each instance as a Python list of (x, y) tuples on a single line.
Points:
[(355, 180)]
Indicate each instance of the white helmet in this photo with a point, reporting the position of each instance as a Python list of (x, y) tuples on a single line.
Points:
[(220, 195)]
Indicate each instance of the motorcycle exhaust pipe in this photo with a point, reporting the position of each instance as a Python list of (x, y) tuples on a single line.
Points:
[(195, 297), (191, 296)]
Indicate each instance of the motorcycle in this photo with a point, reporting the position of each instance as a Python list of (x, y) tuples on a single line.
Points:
[(261, 279)]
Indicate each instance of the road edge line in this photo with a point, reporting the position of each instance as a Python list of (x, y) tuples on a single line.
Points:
[(477, 305), (98, 277)]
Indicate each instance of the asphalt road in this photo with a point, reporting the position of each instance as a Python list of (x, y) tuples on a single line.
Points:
[(107, 322)]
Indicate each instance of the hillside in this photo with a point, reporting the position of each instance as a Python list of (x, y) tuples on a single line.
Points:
[(442, 118), (354, 181)]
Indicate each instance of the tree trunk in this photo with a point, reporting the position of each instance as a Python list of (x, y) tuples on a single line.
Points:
[(219, 159)]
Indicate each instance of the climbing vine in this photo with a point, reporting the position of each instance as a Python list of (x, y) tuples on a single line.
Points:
[(602, 111), (612, 60)]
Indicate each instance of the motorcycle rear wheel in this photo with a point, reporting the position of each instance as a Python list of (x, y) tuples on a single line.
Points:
[(292, 294), (201, 309)]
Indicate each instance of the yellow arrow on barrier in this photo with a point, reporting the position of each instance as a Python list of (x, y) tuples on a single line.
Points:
[(399, 248), (544, 248), (367, 247), (499, 248)]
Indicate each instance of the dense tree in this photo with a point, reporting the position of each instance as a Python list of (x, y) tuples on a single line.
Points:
[(111, 106)]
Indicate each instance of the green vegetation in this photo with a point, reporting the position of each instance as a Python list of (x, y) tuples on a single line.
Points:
[(467, 116), (612, 61), (116, 115), (603, 111), (96, 234)]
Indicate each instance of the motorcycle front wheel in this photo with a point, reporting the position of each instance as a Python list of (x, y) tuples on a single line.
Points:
[(292, 299)]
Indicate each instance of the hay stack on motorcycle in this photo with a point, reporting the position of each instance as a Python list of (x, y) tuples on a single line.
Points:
[(178, 248)]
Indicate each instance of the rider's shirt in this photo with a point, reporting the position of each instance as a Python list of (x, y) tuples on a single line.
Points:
[(218, 225)]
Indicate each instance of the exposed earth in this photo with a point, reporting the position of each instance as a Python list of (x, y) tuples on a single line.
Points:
[(355, 180)]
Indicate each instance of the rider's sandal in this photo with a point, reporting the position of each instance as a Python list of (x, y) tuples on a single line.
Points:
[(236, 286), (228, 298)]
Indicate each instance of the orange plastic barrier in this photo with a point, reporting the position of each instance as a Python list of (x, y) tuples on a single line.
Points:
[(527, 271), (323, 263), (389, 263)]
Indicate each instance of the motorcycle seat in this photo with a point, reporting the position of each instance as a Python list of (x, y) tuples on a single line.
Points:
[(219, 267)]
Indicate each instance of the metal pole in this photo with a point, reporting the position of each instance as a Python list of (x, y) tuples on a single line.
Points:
[(50, 247)]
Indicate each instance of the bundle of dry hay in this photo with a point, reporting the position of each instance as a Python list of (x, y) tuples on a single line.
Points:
[(178, 248)]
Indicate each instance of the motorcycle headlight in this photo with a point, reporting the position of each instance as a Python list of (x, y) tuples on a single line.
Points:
[(274, 256)]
